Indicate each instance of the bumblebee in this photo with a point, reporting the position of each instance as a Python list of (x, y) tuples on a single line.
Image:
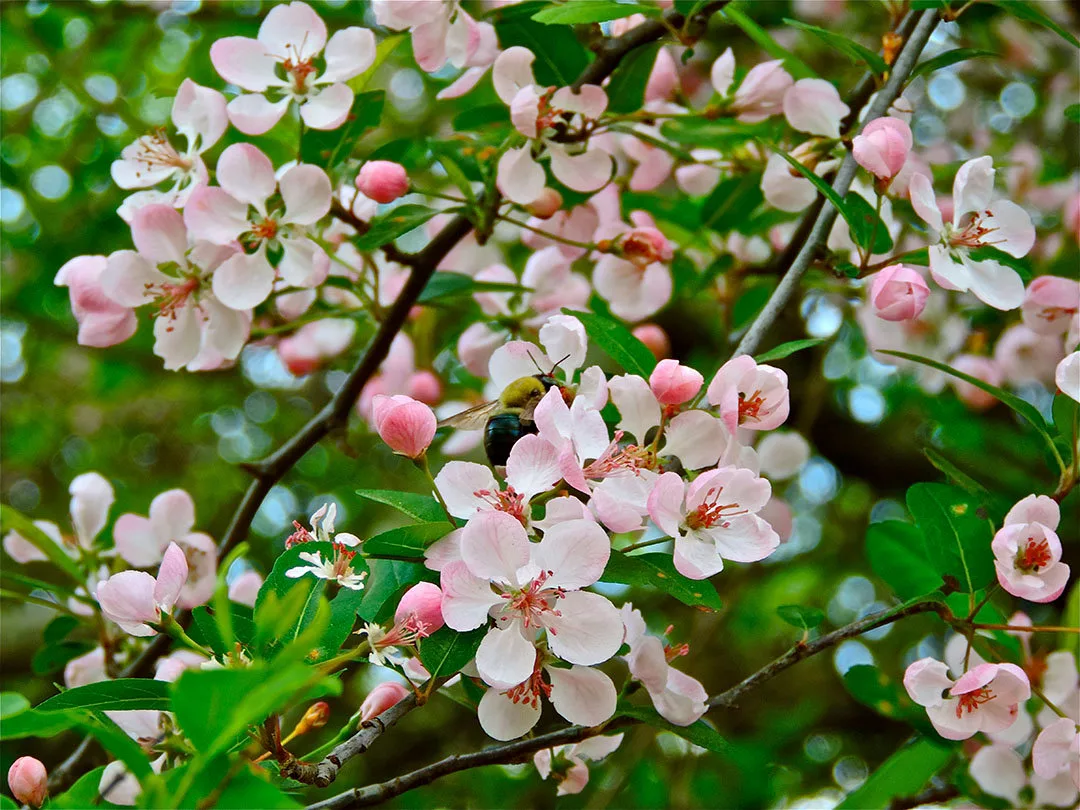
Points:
[(508, 418)]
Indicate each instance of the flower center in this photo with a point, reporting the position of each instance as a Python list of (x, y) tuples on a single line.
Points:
[(710, 512), (265, 230), (301, 535), (750, 406), (507, 501), (343, 557), (156, 151), (970, 701), (535, 600), (404, 634), (615, 461), (169, 298), (1033, 556), (974, 233), (530, 690)]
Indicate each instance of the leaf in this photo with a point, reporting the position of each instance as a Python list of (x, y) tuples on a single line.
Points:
[(1028, 13), (905, 773), (389, 226), (343, 610), (119, 695), (805, 618), (444, 285), (53, 657), (792, 64), (1072, 113), (11, 704), (84, 793), (595, 11), (958, 476), (620, 344), (1066, 413), (560, 58), (382, 52), (897, 553), (249, 788), (699, 733), (949, 58), (406, 541), (446, 651), (865, 225), (658, 571), (824, 188), (38, 724), (878, 691), (785, 349), (329, 148), (286, 606), (718, 133), (1071, 618), (117, 743), (388, 580), (956, 532), (208, 630), (13, 520), (58, 629), (853, 50), (626, 90), (480, 117), (423, 508), (729, 204)]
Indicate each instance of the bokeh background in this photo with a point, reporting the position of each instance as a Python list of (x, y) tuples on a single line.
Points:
[(81, 80)]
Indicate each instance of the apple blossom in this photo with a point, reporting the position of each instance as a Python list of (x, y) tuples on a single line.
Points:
[(1067, 376), (292, 36), (677, 697), (1025, 356), (749, 395), (122, 786), (999, 771), (382, 181), (882, 147), (655, 339), (335, 569), (633, 292), (310, 346), (102, 321), (135, 600), (566, 763), (985, 698), (761, 92), (381, 698), (898, 293), (29, 781), (784, 187), (673, 383), (238, 211), (1050, 302), (977, 221), (407, 426), (1027, 551), (814, 106), (1057, 750)]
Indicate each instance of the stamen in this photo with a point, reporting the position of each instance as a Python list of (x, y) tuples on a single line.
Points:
[(970, 701), (1033, 556)]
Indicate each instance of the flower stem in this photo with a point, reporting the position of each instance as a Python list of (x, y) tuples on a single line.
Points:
[(425, 468), (1024, 629)]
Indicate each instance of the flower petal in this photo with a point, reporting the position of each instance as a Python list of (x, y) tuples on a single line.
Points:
[(329, 109), (582, 695), (588, 629), (244, 281), (505, 658), (575, 552), (503, 719)]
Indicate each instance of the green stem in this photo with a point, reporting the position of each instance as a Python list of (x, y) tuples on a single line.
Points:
[(645, 544), (422, 463)]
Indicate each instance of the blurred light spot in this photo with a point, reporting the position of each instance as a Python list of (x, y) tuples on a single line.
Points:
[(12, 364), (821, 747), (76, 452), (24, 495), (12, 205), (186, 6), (155, 110), (887, 509), (54, 115), (102, 87), (276, 513), (946, 90), (334, 380), (173, 50), (850, 654), (17, 90), (144, 449), (38, 63), (407, 85), (822, 316), (850, 772), (928, 130), (838, 362), (260, 406), (805, 535), (872, 371), (227, 421), (878, 632), (825, 800), (111, 125), (51, 182), (35, 8), (75, 32), (1018, 100), (15, 149), (263, 367), (866, 404), (611, 590), (818, 481), (855, 593)]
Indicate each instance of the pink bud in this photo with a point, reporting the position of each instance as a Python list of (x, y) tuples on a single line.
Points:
[(655, 338), (982, 368), (673, 383), (426, 387), (898, 293), (382, 180), (882, 147), (381, 698), (423, 604), (644, 246), (1050, 303), (546, 204), (406, 425), (245, 588), (29, 781)]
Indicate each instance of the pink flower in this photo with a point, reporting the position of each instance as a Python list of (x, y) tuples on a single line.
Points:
[(245, 588), (421, 604), (292, 37), (406, 425), (1067, 376), (982, 368), (654, 338), (566, 763), (1050, 303), (142, 542), (713, 519), (1027, 551), (102, 321), (29, 781), (1057, 749), (748, 395), (1025, 356), (898, 293), (633, 292), (381, 698), (238, 211), (977, 220), (882, 147), (985, 698), (677, 697), (762, 91), (135, 600), (673, 383), (88, 668), (382, 180), (814, 106)]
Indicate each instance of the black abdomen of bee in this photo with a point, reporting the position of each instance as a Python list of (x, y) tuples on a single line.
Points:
[(501, 433)]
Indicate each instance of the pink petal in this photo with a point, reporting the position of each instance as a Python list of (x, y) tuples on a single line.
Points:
[(505, 658), (459, 481), (582, 695), (494, 546), (329, 109), (519, 177), (588, 629), (666, 503), (244, 281), (136, 541), (349, 53), (466, 597), (199, 112), (246, 174), (159, 234), (502, 719), (214, 215), (254, 114), (589, 171), (306, 192), (171, 577), (575, 552), (293, 30), (244, 62)]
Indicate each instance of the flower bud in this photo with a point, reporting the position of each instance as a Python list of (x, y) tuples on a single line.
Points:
[(425, 387), (1049, 303), (644, 246), (28, 780), (381, 698), (882, 147), (898, 293), (245, 588), (673, 383), (382, 180), (655, 338), (422, 604), (546, 204), (317, 716), (407, 426)]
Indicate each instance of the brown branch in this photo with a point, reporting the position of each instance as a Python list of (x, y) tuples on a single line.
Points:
[(515, 751)]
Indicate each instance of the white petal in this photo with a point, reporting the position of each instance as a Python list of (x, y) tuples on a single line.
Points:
[(502, 719), (999, 771), (459, 481), (921, 193), (589, 171), (589, 630), (199, 112), (505, 658), (216, 216), (244, 281), (306, 192), (995, 284), (513, 71), (244, 62), (637, 405), (293, 30), (973, 187), (696, 558), (532, 467), (466, 597), (177, 339), (349, 53), (696, 438), (246, 174), (494, 546), (575, 552), (159, 234), (329, 109), (255, 114), (582, 695), (519, 177)]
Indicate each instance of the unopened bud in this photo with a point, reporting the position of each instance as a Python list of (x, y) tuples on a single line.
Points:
[(421, 604), (546, 204), (317, 716), (382, 180), (29, 781), (381, 698)]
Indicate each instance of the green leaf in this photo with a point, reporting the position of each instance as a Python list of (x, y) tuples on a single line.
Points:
[(595, 11), (480, 117), (805, 618), (897, 554), (1072, 113), (560, 58), (423, 508), (250, 787), (84, 793), (830, 193), (53, 657), (343, 610), (627, 86), (119, 695), (383, 50), (956, 531), (949, 58), (1066, 413), (286, 606), (117, 743), (58, 629), (620, 344), (1071, 618), (729, 204), (784, 349), (11, 704), (905, 773), (792, 64), (874, 689), (658, 571), (209, 632), (1029, 13), (446, 285), (954, 473), (37, 724), (865, 225), (719, 133), (12, 519), (389, 579), (329, 148), (397, 222), (446, 651), (853, 50), (406, 542), (699, 733)]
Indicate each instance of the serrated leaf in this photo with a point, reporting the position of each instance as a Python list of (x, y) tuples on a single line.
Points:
[(658, 571), (699, 733), (805, 618), (595, 11), (446, 651), (957, 533), (389, 226), (406, 542), (785, 349), (120, 695), (903, 774), (949, 58), (853, 50), (619, 343), (867, 229), (897, 553), (423, 508)]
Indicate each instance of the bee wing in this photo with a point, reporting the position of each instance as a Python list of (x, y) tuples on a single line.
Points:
[(527, 412), (472, 419)]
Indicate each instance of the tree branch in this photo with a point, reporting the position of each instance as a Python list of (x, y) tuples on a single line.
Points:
[(515, 751), (905, 61)]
